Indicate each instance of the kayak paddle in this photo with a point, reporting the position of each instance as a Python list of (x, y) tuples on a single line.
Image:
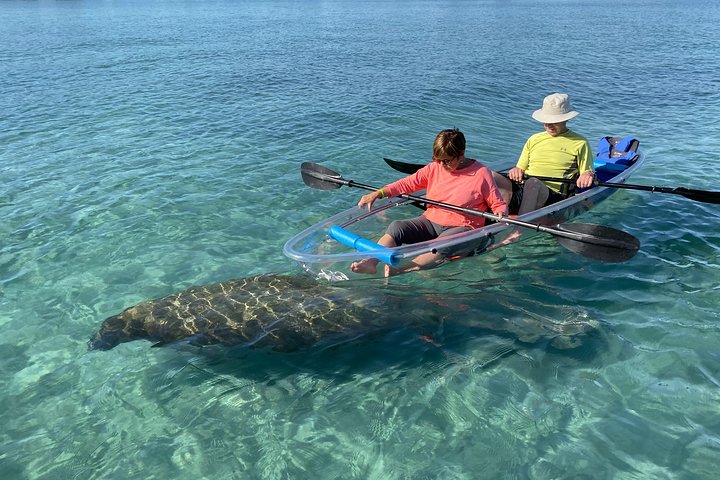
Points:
[(706, 196), (593, 241), (403, 167)]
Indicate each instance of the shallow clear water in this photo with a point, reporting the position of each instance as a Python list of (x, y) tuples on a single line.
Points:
[(150, 146)]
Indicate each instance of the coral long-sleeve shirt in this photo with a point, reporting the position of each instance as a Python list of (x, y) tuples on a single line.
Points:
[(471, 187)]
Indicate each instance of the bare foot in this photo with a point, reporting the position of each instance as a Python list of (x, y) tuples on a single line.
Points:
[(366, 265), (391, 271), (512, 238)]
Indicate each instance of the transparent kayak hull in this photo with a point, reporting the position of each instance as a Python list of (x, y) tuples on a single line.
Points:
[(328, 259)]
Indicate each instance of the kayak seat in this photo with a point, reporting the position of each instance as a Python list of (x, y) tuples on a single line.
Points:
[(614, 155)]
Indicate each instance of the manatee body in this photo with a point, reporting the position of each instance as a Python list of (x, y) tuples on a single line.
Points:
[(282, 312), (287, 313)]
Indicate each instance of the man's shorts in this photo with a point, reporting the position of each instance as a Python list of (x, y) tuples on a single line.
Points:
[(517, 196)]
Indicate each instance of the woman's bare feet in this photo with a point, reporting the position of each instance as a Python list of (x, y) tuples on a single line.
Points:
[(366, 265), (512, 238), (392, 271)]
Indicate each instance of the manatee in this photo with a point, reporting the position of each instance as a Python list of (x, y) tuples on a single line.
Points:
[(278, 311), (289, 312)]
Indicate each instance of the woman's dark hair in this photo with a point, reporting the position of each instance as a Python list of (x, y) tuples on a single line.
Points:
[(450, 143)]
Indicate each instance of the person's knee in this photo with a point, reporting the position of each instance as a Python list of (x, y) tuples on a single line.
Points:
[(535, 194), (533, 184), (396, 231), (501, 180), (504, 186)]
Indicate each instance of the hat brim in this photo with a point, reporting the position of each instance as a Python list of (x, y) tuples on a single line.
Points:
[(542, 117)]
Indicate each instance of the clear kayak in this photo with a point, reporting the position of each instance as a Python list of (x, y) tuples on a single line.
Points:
[(327, 249)]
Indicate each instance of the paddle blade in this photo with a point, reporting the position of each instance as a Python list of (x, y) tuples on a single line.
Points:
[(599, 242), (402, 166), (317, 176), (698, 195)]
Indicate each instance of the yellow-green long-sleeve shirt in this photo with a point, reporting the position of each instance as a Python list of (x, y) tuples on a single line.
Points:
[(565, 155)]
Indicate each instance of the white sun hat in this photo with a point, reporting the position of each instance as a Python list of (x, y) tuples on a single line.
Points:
[(556, 108)]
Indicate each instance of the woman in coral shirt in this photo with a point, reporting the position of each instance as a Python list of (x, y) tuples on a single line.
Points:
[(450, 178)]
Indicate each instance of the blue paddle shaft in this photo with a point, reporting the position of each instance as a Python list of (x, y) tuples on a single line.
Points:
[(360, 244)]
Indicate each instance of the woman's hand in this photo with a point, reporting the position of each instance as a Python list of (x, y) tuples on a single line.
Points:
[(370, 198), (502, 213)]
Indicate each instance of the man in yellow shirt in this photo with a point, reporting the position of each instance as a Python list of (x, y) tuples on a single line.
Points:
[(555, 152)]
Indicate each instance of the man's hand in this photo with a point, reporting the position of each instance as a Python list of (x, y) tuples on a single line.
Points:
[(516, 174), (586, 180)]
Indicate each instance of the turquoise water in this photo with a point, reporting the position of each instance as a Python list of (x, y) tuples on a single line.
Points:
[(149, 146)]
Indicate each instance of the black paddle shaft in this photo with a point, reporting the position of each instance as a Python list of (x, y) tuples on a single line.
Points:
[(698, 195), (706, 196), (317, 176)]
